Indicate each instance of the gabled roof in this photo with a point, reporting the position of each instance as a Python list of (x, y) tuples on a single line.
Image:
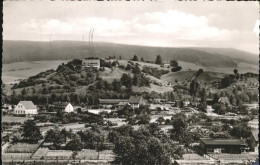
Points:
[(135, 99), (224, 100), (28, 104), (255, 134), (219, 141)]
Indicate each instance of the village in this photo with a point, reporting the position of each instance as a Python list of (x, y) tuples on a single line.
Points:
[(208, 126)]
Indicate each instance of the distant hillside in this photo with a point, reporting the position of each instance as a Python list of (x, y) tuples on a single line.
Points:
[(17, 51)]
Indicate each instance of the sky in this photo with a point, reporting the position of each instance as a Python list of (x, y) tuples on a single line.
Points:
[(166, 24)]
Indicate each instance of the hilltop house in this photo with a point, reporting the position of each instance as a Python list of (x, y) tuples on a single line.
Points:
[(63, 106), (25, 108), (91, 63), (136, 101), (224, 100), (220, 145)]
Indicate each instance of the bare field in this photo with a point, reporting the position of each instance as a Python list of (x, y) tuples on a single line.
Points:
[(11, 73)]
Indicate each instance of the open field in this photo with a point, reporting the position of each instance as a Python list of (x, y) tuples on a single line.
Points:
[(10, 119), (11, 73), (22, 148), (93, 155)]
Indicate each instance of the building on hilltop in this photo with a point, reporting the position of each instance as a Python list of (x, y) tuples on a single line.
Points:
[(63, 106), (221, 145), (95, 63), (25, 108)]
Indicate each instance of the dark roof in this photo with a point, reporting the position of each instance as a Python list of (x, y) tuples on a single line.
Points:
[(112, 101), (60, 104), (135, 99), (28, 104), (209, 141), (255, 134), (224, 100)]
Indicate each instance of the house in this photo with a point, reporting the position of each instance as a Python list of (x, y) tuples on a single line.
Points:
[(166, 65), (122, 104), (91, 63), (63, 106), (224, 100), (136, 101), (25, 108), (186, 103), (254, 143), (221, 145)]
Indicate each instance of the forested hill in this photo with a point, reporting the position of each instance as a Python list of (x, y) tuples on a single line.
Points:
[(17, 51)]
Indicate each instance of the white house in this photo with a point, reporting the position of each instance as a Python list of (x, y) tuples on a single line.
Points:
[(64, 106), (91, 63), (25, 107)]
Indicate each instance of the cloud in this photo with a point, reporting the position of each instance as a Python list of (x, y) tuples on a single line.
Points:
[(151, 28)]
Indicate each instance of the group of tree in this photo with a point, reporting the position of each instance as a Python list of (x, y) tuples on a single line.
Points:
[(142, 146), (30, 133), (154, 71)]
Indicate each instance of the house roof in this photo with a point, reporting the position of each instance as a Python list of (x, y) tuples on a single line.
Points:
[(112, 101), (255, 134), (28, 104), (135, 99), (219, 141), (60, 104), (224, 100)]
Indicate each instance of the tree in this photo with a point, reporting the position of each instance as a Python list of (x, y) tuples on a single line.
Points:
[(135, 58), (124, 150), (240, 131), (126, 80), (219, 108), (178, 68), (31, 132), (116, 85), (16, 137), (142, 59), (74, 145), (179, 123), (24, 91), (136, 70), (236, 73), (158, 60), (160, 120), (174, 63), (136, 80), (45, 91)]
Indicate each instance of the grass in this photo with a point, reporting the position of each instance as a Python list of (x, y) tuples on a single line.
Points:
[(13, 119), (155, 88), (187, 75), (93, 155), (61, 154), (16, 156), (22, 148)]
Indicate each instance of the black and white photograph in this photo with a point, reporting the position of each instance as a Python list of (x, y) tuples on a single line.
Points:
[(130, 83)]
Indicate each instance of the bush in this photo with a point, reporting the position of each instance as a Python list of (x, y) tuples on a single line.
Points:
[(176, 69)]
